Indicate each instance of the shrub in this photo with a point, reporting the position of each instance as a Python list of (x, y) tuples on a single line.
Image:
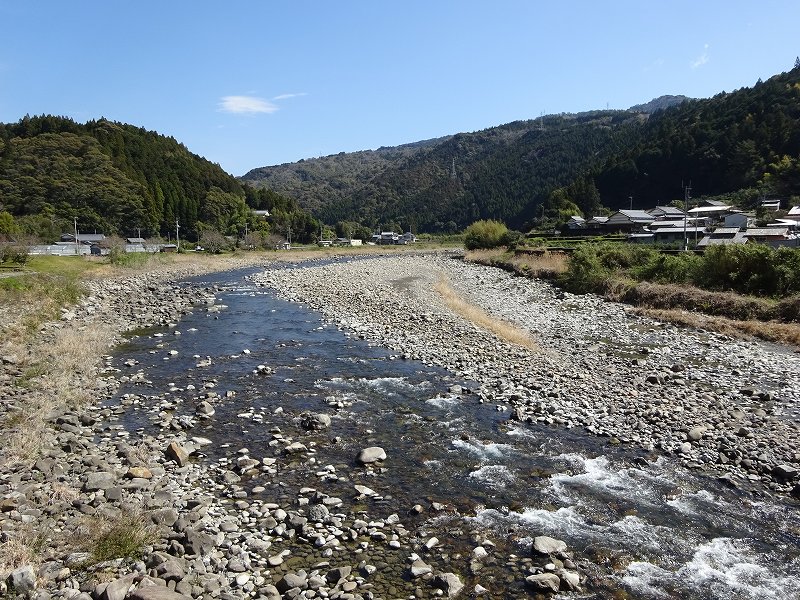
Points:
[(485, 234), (124, 536), (585, 272), (747, 269), (668, 268)]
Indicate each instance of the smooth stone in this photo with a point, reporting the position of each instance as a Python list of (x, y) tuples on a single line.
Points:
[(372, 454)]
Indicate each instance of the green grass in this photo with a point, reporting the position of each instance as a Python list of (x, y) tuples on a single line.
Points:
[(124, 537)]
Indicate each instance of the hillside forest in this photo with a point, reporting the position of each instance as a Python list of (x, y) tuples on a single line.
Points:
[(123, 180), (740, 146)]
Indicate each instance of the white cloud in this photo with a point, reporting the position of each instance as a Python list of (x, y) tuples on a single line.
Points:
[(246, 105), (702, 59), (287, 96)]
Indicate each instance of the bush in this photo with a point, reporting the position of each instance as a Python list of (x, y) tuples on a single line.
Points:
[(747, 269), (585, 272), (485, 234), (668, 268)]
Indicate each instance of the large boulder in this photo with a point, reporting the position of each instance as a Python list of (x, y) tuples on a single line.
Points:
[(22, 581), (177, 453), (545, 545), (372, 454)]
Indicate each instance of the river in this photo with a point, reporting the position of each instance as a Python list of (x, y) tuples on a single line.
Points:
[(639, 525)]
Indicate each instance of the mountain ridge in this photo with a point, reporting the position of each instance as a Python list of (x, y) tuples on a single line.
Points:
[(725, 144)]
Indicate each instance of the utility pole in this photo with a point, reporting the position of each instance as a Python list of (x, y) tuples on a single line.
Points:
[(75, 223), (178, 235), (686, 194), (631, 199)]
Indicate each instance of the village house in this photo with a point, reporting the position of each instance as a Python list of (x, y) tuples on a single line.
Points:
[(576, 222), (737, 218), (83, 238), (628, 220), (666, 213), (723, 236), (772, 236)]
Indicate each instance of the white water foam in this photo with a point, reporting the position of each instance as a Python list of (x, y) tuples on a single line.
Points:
[(722, 568), (488, 451), (495, 476), (564, 522), (443, 402), (600, 476), (695, 503)]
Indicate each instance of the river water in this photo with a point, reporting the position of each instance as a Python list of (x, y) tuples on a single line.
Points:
[(639, 526)]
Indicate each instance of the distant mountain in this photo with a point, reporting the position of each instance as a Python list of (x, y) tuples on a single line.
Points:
[(740, 144), (659, 103), (315, 182), (444, 184)]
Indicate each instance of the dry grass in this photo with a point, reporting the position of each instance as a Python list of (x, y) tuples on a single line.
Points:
[(61, 378), (547, 265), (502, 329), (23, 546), (770, 331)]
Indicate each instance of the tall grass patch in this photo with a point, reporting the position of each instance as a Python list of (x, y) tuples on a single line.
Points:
[(502, 329)]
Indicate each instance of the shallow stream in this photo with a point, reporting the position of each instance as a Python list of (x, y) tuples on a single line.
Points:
[(637, 524)]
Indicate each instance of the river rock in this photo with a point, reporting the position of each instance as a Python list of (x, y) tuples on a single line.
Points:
[(177, 453), (545, 545), (119, 588), (418, 568), (316, 421), (270, 592), (570, 580), (449, 583), (291, 581), (318, 513), (197, 542), (543, 582), (22, 581), (371, 455), (695, 434), (155, 592), (338, 574), (101, 480), (785, 472)]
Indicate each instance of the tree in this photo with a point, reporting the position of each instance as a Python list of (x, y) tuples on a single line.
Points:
[(212, 240), (797, 62), (8, 227)]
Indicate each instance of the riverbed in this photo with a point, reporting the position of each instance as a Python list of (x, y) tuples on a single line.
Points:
[(488, 445)]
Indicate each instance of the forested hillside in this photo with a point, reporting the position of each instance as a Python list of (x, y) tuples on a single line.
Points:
[(742, 146), (120, 179)]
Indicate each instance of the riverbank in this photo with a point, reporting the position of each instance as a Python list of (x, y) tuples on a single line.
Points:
[(726, 312), (92, 510)]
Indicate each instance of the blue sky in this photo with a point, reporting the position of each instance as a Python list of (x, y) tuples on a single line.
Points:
[(248, 84)]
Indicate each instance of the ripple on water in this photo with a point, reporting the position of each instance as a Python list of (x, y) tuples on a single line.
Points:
[(485, 451), (720, 568)]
